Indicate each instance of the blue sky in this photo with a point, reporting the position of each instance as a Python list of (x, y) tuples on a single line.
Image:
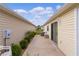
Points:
[(37, 13)]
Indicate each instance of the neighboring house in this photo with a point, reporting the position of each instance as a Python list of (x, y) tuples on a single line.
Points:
[(64, 29), (15, 25)]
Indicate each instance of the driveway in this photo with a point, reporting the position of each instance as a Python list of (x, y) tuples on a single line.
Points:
[(41, 46)]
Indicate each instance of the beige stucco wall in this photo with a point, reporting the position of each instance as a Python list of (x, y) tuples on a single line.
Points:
[(17, 27), (66, 32)]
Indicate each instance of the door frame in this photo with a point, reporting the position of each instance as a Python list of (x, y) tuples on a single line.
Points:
[(54, 32)]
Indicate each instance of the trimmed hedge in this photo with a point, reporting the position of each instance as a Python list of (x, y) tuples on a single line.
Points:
[(24, 44), (16, 50)]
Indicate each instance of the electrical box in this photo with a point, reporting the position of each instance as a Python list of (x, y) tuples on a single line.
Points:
[(7, 34)]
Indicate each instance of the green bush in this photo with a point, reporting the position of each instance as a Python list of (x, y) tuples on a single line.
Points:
[(32, 34), (29, 35), (16, 50), (28, 38), (23, 44)]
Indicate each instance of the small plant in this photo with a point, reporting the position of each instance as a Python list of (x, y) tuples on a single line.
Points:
[(16, 50), (24, 44)]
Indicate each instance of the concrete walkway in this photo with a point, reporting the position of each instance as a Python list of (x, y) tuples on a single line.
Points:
[(41, 46)]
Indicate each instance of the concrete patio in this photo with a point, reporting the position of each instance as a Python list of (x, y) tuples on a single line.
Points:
[(41, 46)]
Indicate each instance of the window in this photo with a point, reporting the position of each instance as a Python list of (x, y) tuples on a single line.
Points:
[(47, 28)]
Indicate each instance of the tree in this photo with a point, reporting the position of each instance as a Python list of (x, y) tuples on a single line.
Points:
[(38, 27)]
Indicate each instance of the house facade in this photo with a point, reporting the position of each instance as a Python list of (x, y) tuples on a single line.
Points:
[(64, 29), (15, 25)]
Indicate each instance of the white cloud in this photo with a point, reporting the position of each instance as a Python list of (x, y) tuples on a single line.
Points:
[(41, 10), (41, 14), (37, 10), (49, 11), (58, 6), (49, 8), (38, 15), (21, 11), (37, 21)]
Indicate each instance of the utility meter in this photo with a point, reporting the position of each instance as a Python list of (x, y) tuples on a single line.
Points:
[(6, 34)]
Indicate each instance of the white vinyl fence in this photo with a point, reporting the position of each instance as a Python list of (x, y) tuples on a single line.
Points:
[(5, 51)]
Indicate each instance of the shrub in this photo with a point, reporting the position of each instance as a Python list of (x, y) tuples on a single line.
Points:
[(28, 38), (23, 44), (29, 35), (16, 50), (32, 34)]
